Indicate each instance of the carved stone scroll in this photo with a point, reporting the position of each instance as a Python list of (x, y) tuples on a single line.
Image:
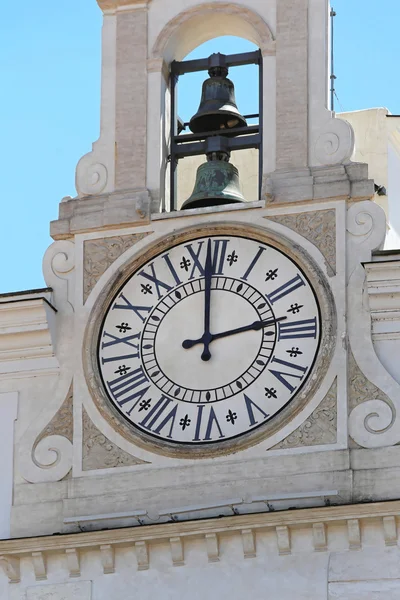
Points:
[(360, 388), (61, 423), (319, 428), (319, 228), (99, 254), (99, 452)]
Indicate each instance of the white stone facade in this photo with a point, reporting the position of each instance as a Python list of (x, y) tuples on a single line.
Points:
[(309, 510)]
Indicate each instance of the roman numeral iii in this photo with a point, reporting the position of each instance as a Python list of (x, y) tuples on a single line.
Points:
[(298, 329)]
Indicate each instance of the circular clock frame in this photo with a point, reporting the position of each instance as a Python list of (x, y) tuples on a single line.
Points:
[(328, 320)]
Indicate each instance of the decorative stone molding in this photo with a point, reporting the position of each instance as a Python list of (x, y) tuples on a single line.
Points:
[(319, 537), (390, 531), (105, 211), (383, 283), (319, 228), (176, 545), (58, 271), (99, 254), (26, 327), (114, 4), (99, 452), (374, 422), (212, 546), (235, 19), (62, 422), (50, 458), (354, 534), (142, 556), (335, 143), (283, 540), (39, 566), (318, 520), (73, 562), (249, 543), (107, 558), (57, 438), (360, 388), (320, 428), (11, 568), (336, 182), (91, 176)]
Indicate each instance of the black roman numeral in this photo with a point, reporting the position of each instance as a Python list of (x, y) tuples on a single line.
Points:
[(154, 279), (285, 289), (218, 258), (253, 263), (125, 384), (156, 412), (172, 269), (120, 340), (298, 329), (251, 406), (283, 375), (128, 306), (211, 423)]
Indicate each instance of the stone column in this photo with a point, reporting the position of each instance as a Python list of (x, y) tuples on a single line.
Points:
[(292, 84), (131, 98)]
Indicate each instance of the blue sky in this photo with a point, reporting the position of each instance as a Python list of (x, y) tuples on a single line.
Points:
[(49, 106)]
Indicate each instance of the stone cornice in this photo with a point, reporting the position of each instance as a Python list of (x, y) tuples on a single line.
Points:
[(107, 5), (106, 542), (151, 533), (25, 328)]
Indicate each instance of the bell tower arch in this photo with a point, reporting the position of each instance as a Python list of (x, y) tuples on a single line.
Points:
[(128, 165)]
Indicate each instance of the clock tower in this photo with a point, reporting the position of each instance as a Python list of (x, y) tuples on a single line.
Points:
[(201, 384)]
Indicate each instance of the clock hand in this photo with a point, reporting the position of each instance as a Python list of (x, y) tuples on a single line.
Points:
[(256, 326), (207, 337)]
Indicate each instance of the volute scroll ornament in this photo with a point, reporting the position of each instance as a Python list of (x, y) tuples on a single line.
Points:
[(50, 456), (335, 143), (374, 419)]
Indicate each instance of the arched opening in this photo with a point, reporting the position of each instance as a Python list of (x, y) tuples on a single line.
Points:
[(246, 81), (199, 31)]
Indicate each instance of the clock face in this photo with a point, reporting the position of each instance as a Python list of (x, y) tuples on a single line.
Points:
[(209, 340)]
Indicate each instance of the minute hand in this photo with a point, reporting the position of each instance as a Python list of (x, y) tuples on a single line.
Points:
[(256, 326)]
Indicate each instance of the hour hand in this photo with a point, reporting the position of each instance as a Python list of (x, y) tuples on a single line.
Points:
[(256, 326)]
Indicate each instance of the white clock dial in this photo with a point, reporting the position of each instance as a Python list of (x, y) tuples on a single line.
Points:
[(209, 340)]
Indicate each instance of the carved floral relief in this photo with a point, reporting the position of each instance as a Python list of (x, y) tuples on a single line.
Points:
[(99, 452), (319, 228), (319, 428), (99, 254)]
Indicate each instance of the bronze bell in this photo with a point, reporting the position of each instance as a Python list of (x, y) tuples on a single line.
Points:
[(217, 181), (217, 108)]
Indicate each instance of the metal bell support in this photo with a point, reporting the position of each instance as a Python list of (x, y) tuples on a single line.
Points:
[(217, 181), (217, 108)]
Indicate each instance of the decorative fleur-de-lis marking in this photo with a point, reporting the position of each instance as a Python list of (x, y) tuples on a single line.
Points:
[(146, 288), (270, 393), (144, 405), (294, 352), (271, 275), (185, 263), (295, 308), (185, 422), (232, 258), (123, 328), (231, 417), (122, 370)]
